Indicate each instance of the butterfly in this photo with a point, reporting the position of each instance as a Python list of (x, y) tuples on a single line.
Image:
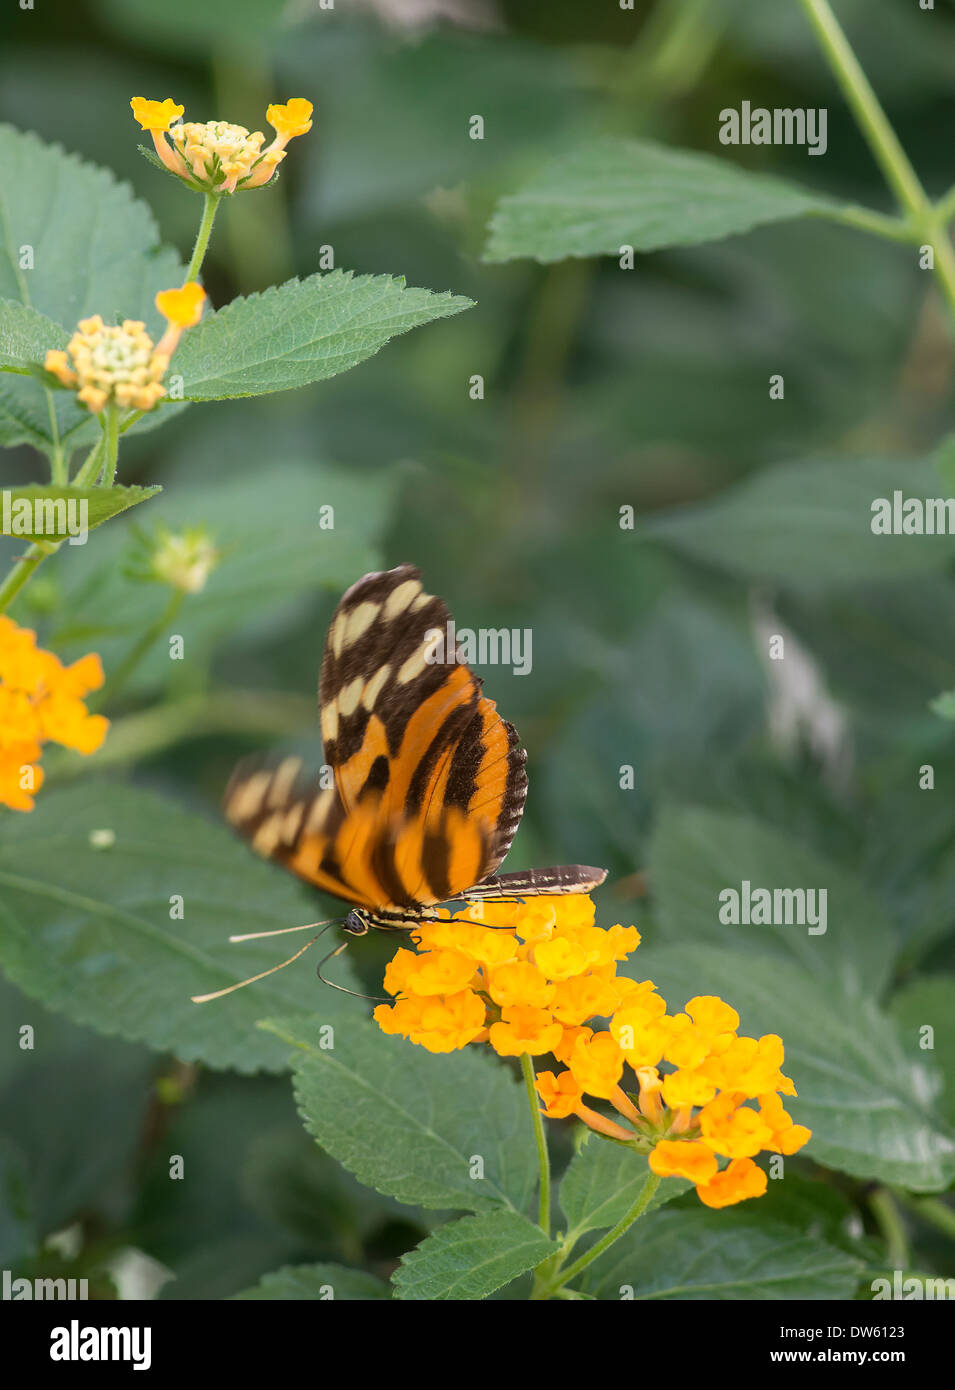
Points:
[(429, 781)]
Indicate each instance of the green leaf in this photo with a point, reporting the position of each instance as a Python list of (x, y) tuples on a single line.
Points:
[(101, 504), (808, 525), (276, 551), (927, 1004), (602, 1183), (611, 192), (25, 336), (470, 1258), (322, 1282), (99, 227), (88, 931), (866, 1097), (720, 1255), (300, 332), (697, 853), (433, 1131), (102, 1088)]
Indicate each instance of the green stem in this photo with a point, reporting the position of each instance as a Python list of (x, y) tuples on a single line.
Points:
[(945, 208), (132, 659), (925, 222), (23, 569), (147, 733), (111, 432), (868, 220), (889, 1220), (872, 120), (209, 211), (543, 1156), (563, 1276), (26, 565), (930, 1209), (57, 462)]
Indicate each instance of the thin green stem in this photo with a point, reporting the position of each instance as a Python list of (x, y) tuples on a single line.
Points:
[(926, 224), (889, 1220), (111, 431), (868, 220), (930, 1209), (209, 211), (132, 659), (23, 569), (149, 732), (57, 460), (563, 1276), (945, 208), (540, 1138), (872, 120), (26, 565)]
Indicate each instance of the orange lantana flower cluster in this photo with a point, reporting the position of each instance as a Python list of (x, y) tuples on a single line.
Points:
[(533, 977), (40, 700)]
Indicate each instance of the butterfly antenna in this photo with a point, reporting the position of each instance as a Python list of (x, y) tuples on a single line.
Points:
[(280, 931), (375, 998), (230, 989)]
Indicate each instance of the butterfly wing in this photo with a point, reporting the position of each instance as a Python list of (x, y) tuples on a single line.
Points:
[(289, 816), (406, 729)]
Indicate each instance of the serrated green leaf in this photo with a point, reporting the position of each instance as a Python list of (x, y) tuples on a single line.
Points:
[(696, 854), (602, 1182), (866, 1098), (411, 1124), (611, 192), (808, 525), (719, 1255), (471, 1258), (301, 332), (101, 504), (26, 336), (99, 226), (89, 932), (319, 1282)]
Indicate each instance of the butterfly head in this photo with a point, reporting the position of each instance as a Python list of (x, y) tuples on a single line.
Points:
[(355, 924)]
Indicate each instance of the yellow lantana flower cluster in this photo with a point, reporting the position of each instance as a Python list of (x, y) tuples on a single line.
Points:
[(40, 700), (119, 363), (531, 977), (219, 156)]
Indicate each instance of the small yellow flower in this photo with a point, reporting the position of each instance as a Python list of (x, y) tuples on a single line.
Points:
[(41, 700), (182, 307), (294, 118), (524, 1029), (220, 156), (741, 1180), (673, 1159), (155, 115)]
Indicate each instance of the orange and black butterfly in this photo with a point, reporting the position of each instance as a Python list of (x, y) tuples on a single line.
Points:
[(429, 780)]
